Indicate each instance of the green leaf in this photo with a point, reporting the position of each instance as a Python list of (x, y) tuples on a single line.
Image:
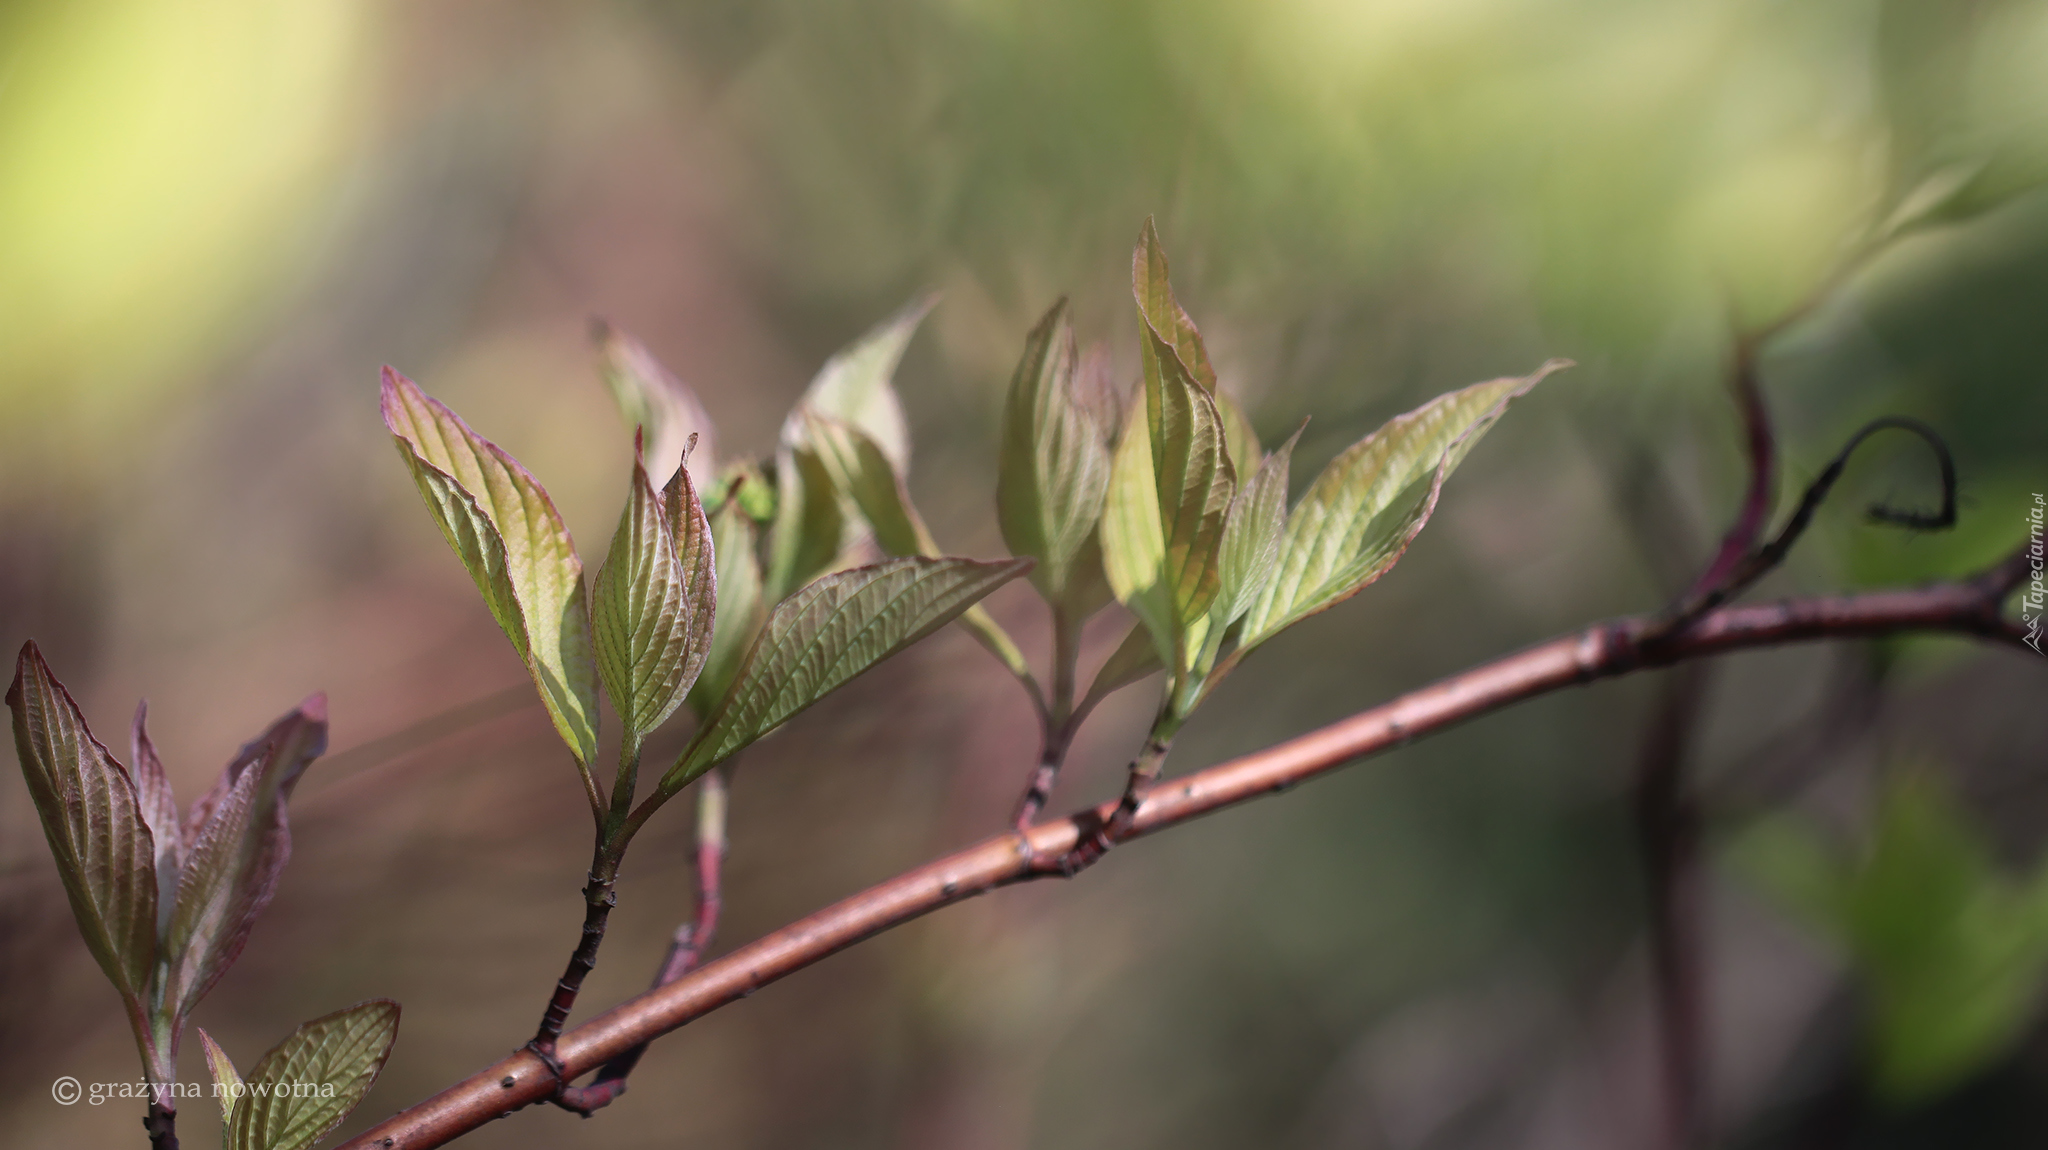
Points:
[(227, 1081), (238, 840), (470, 532), (1251, 536), (1164, 315), (1133, 538), (93, 820), (741, 604), (1133, 659), (308, 1083), (829, 632), (1239, 438), (663, 407), (746, 482), (1160, 548), (864, 476), (809, 527), (1088, 589), (862, 473), (654, 600), (857, 387), (1192, 470), (515, 545), (1950, 952), (1371, 501), (1054, 466)]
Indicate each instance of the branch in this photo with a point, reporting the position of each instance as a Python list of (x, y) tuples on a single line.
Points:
[(1605, 650), (1761, 448)]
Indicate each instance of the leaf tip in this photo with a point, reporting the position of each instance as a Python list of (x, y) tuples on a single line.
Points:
[(314, 707), (30, 661), (392, 389)]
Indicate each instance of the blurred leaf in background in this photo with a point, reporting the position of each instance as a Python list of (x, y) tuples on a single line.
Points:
[(1950, 949)]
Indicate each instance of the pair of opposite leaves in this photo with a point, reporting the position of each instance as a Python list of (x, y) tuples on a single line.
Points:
[(165, 905)]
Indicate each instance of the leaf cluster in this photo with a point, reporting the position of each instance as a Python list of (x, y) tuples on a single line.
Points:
[(165, 903), (1197, 536), (746, 602)]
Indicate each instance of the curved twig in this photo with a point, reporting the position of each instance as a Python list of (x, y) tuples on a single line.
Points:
[(1740, 576)]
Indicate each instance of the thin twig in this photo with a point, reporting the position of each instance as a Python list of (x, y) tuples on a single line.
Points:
[(1667, 818), (162, 1124), (1058, 720), (1761, 450), (598, 900), (1052, 755), (686, 947), (1968, 607), (1762, 560)]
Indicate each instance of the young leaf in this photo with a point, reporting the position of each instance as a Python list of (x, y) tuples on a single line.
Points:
[(1134, 539), (809, 526), (1170, 487), (1164, 315), (1371, 501), (1251, 536), (1195, 483), (654, 600), (94, 822), (238, 841), (227, 1081), (865, 477), (654, 400), (476, 542), (1133, 659), (1096, 391), (1054, 468), (861, 472), (829, 632), (856, 386), (1239, 438), (159, 812), (309, 1082), (741, 604), (515, 545)]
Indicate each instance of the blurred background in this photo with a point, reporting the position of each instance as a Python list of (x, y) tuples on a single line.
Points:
[(218, 219)]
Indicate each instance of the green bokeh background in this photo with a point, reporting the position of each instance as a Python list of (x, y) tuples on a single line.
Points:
[(217, 220)]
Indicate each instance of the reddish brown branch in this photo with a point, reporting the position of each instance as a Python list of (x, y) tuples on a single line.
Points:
[(1602, 651), (1667, 816), (1761, 449)]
